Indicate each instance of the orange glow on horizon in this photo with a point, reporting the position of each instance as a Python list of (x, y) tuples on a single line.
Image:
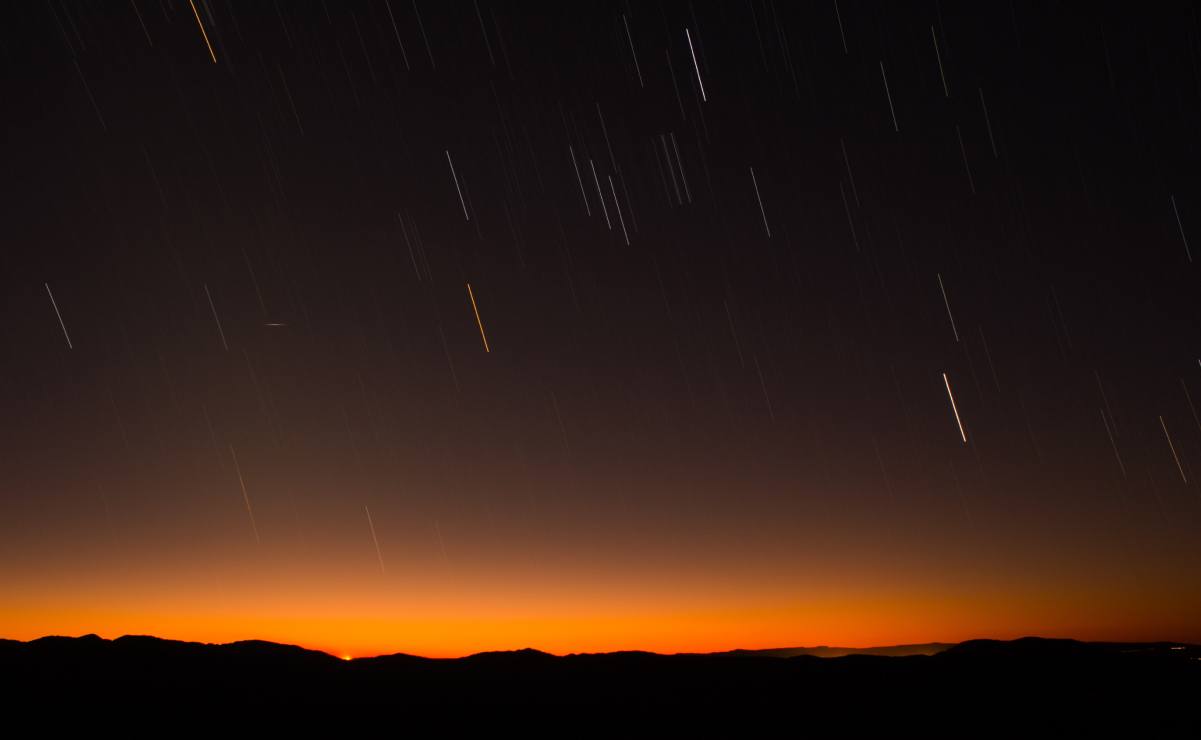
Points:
[(456, 584), (345, 632)]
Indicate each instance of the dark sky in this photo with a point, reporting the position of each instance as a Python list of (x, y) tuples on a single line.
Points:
[(712, 409)]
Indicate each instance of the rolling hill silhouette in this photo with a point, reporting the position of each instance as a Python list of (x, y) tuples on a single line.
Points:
[(989, 680)]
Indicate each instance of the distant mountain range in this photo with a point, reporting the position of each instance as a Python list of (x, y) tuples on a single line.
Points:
[(179, 647), (981, 676), (823, 651)]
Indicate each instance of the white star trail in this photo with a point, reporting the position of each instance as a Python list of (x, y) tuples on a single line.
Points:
[(458, 189), (950, 395), (60, 317), (378, 554), (245, 495), (1172, 447), (696, 66)]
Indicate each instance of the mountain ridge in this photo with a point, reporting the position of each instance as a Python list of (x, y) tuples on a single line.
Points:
[(987, 678), (822, 651)]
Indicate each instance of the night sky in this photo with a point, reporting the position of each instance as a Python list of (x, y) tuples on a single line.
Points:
[(442, 327)]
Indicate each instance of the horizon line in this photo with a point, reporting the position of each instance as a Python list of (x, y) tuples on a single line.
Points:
[(850, 650)]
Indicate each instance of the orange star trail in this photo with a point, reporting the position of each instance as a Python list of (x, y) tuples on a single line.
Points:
[(478, 321), (202, 31)]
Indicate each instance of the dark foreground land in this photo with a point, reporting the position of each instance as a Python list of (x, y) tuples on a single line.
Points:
[(1062, 682)]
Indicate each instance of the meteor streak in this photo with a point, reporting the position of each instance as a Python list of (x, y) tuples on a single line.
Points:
[(475, 308), (457, 188), (245, 496), (375, 540), (954, 408), (202, 31), (696, 66), (60, 317), (1172, 447)]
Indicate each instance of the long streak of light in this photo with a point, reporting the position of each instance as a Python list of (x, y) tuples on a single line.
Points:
[(1113, 443), (851, 175), (403, 54), (475, 308), (633, 53), (600, 194), (457, 188), (696, 66), (245, 496), (580, 180), (60, 317), (412, 257), (950, 395), (291, 102), (937, 55), (947, 303), (428, 49), (851, 221), (672, 171), (374, 539), (672, 70), (484, 32), (202, 31), (216, 318), (1187, 252), (680, 164), (1172, 447), (842, 34), (1191, 407), (988, 122), (759, 198), (141, 22), (88, 89), (896, 127), (617, 205), (967, 168)]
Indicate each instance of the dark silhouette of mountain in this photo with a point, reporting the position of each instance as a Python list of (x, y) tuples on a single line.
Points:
[(524, 654), (997, 680), (825, 651)]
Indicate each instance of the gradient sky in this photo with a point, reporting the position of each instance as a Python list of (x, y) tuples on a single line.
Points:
[(268, 412)]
